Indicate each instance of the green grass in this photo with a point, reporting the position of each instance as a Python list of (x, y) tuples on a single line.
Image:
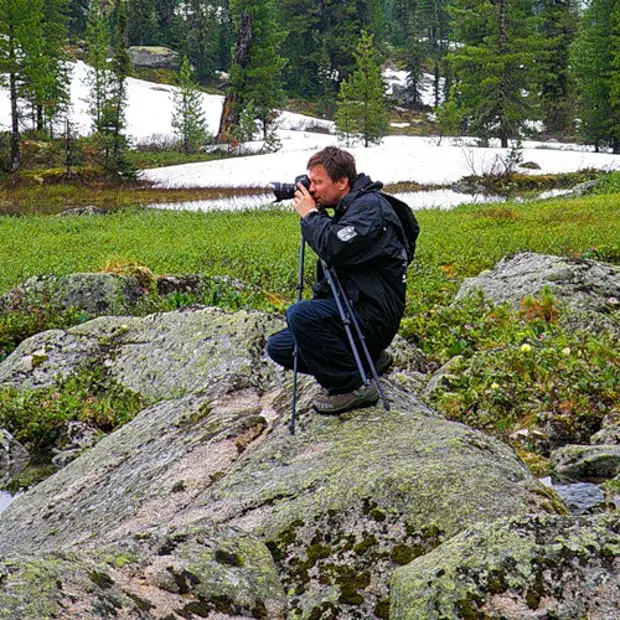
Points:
[(261, 246)]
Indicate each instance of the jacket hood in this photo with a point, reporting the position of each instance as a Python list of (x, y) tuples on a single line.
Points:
[(362, 184)]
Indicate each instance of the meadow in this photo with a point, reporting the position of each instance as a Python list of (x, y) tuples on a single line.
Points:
[(513, 366)]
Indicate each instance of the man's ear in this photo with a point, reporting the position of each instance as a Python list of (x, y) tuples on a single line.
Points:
[(343, 184)]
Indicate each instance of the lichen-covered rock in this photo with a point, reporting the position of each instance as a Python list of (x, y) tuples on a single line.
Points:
[(13, 456), (518, 569), (590, 288), (153, 57), (95, 294), (159, 356), (339, 504), (207, 574), (586, 463), (345, 500)]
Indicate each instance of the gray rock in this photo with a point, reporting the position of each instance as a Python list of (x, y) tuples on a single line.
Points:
[(159, 356), (153, 57), (77, 437), (586, 463), (610, 431), (581, 497), (13, 456), (587, 287), (529, 165), (93, 293), (464, 186), (352, 495), (442, 376), (519, 569), (209, 574), (89, 210)]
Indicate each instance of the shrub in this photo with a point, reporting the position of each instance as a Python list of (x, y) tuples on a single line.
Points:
[(36, 418)]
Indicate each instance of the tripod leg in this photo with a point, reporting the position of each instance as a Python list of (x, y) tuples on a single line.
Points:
[(361, 338), (346, 320), (300, 286)]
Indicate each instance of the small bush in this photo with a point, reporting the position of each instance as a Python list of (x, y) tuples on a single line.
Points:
[(37, 418)]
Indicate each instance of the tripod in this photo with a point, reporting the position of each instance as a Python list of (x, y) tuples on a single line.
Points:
[(347, 315)]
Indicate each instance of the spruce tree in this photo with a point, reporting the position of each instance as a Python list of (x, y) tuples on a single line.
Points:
[(495, 67), (596, 69), (142, 22), (259, 78), (50, 70), (117, 103), (188, 119), (19, 23), (559, 20), (362, 95), (99, 71), (415, 53)]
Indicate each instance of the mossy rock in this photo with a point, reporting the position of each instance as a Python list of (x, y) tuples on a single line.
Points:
[(346, 500), (516, 569), (182, 574)]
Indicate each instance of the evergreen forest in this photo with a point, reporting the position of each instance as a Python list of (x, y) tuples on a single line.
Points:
[(497, 69)]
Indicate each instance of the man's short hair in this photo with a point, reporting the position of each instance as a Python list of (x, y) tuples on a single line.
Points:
[(338, 164)]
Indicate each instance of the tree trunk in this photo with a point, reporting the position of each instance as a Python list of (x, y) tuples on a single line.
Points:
[(15, 151), (231, 111), (40, 126)]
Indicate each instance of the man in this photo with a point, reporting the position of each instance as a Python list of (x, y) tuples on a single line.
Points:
[(364, 242)]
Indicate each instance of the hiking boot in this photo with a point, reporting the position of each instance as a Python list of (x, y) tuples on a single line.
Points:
[(363, 396), (384, 362)]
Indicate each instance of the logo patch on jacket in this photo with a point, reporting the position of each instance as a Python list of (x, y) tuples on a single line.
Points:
[(347, 233)]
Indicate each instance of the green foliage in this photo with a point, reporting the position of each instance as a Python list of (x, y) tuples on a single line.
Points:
[(188, 119), (260, 80), (558, 25), (37, 418), (532, 371), (605, 253), (495, 66), (596, 64), (361, 108), (608, 184), (246, 129)]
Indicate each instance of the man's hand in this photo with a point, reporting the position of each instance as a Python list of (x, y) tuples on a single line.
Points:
[(304, 202)]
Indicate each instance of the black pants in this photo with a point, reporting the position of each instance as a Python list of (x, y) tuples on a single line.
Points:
[(324, 349)]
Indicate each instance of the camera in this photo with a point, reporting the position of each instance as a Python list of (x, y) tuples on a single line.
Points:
[(286, 191)]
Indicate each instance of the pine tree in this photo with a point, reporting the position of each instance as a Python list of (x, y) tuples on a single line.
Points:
[(19, 22), (596, 68), (142, 22), (188, 119), (415, 54), (258, 78), (559, 26), (347, 113), (495, 67), (99, 72), (361, 96)]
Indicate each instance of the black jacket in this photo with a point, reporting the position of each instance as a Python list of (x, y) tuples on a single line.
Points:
[(363, 241)]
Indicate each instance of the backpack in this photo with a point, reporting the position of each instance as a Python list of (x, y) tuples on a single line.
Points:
[(409, 225)]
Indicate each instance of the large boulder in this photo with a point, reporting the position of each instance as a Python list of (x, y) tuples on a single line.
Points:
[(153, 57), (591, 289), (207, 574), (92, 293), (13, 456), (159, 356), (518, 569), (339, 504)]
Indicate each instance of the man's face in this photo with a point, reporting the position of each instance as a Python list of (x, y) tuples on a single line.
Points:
[(326, 192)]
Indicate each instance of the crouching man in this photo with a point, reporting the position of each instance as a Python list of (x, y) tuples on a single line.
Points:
[(365, 242)]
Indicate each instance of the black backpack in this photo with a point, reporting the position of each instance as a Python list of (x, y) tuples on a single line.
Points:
[(409, 225)]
